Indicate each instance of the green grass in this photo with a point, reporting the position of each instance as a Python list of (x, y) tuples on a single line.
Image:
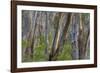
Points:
[(66, 53), (24, 43), (39, 52)]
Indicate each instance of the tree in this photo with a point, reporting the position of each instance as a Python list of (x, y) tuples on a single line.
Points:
[(74, 35), (46, 33), (82, 39), (56, 25), (58, 45), (31, 35)]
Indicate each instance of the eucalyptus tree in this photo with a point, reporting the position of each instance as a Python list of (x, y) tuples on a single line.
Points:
[(83, 35), (74, 35), (30, 35), (59, 36)]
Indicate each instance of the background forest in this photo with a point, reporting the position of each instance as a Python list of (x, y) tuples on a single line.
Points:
[(55, 36)]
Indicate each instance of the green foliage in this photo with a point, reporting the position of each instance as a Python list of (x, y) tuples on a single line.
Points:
[(24, 43), (86, 18), (85, 15), (39, 54), (66, 53), (39, 50)]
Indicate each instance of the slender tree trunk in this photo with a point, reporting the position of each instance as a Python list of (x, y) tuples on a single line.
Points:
[(59, 45), (80, 38), (87, 53), (34, 33), (29, 48), (46, 34), (63, 36), (55, 41), (83, 40), (74, 35), (86, 48)]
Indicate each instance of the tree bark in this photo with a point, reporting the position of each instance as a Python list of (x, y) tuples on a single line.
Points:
[(55, 41), (74, 36), (46, 34), (63, 36), (59, 45), (30, 46)]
